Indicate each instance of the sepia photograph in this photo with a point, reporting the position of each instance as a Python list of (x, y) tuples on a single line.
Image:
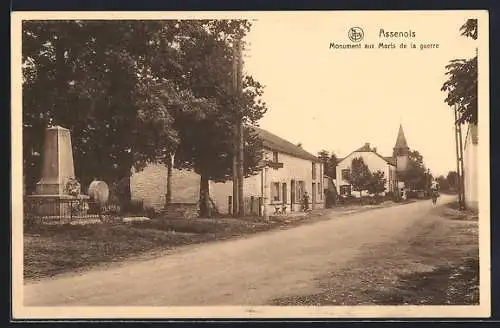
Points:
[(250, 164)]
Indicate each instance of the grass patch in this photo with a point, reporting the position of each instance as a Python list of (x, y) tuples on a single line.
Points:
[(53, 249), (50, 250), (447, 284)]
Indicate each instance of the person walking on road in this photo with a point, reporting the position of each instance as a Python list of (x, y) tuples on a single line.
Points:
[(434, 192)]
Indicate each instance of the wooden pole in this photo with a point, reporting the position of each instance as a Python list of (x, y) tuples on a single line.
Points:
[(462, 177), (235, 173), (459, 184), (241, 177), (235, 135)]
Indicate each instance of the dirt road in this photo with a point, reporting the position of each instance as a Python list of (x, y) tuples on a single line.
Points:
[(249, 271)]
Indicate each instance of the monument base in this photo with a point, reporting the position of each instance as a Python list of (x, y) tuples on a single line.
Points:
[(60, 206), (47, 188)]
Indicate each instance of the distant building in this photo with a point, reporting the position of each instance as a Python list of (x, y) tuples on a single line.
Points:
[(470, 167), (374, 161), (400, 154), (401, 151), (390, 165)]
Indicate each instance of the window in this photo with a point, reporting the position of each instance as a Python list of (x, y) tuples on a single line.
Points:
[(275, 157), (345, 174), (275, 191), (345, 190), (313, 170)]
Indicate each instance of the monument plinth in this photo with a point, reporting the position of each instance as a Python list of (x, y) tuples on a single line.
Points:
[(57, 165), (57, 170)]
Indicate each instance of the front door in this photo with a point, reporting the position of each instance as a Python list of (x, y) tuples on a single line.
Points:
[(292, 194), (285, 198), (313, 200)]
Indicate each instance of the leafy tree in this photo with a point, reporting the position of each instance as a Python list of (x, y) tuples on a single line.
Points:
[(206, 145), (461, 85), (360, 176), (376, 184), (329, 163), (135, 92), (443, 183), (452, 179), (415, 176), (105, 81)]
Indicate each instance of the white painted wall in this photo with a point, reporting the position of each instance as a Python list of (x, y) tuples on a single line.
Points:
[(299, 170), (374, 163), (470, 173), (293, 169), (221, 191)]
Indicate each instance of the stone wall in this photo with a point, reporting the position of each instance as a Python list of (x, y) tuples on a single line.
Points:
[(150, 186)]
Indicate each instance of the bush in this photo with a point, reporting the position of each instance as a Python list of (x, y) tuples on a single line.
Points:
[(330, 197), (150, 212), (133, 207), (119, 192)]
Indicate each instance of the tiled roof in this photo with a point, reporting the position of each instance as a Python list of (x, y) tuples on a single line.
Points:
[(390, 160), (273, 142), (366, 148), (401, 139)]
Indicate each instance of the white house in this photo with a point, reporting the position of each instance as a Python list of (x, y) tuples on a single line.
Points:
[(279, 186), (390, 165), (470, 167), (374, 161)]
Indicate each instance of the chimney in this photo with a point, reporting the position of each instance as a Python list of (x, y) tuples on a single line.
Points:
[(367, 145)]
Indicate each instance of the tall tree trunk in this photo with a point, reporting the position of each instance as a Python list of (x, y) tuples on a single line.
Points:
[(168, 199), (205, 210)]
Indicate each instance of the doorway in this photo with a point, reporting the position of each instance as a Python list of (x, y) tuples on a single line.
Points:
[(314, 195), (284, 191)]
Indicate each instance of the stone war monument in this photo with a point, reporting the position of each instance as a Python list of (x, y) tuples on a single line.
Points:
[(57, 170)]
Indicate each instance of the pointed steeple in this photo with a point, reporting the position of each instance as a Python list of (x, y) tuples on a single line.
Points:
[(401, 147), (401, 140)]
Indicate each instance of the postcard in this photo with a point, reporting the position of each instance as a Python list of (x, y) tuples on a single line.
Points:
[(293, 164)]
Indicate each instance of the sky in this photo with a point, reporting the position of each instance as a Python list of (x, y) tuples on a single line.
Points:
[(340, 99)]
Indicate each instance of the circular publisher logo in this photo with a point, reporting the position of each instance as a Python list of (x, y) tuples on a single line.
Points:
[(355, 34)]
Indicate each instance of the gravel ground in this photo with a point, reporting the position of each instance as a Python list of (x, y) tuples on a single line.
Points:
[(50, 250), (434, 262), (253, 270)]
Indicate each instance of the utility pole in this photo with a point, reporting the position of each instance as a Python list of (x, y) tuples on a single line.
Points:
[(241, 132), (238, 174), (462, 177), (458, 147), (235, 134)]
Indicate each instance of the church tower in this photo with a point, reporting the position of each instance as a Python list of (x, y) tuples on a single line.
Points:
[(401, 151)]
